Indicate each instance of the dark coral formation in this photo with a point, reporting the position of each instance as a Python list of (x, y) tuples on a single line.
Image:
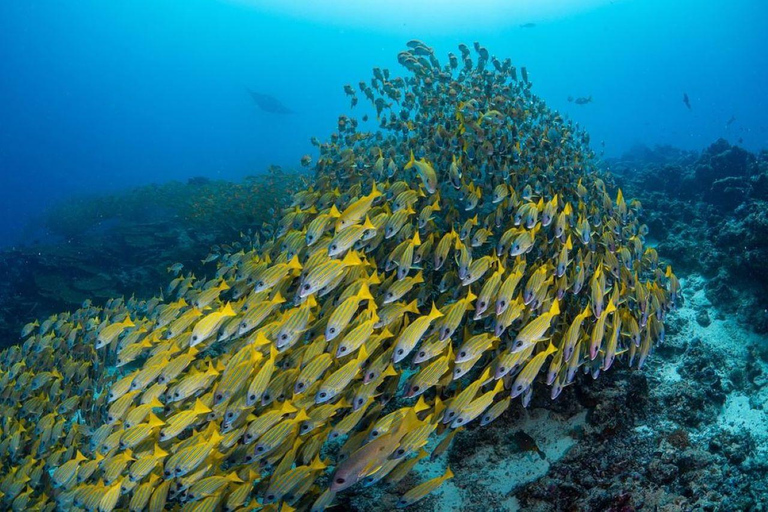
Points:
[(709, 213), (122, 243)]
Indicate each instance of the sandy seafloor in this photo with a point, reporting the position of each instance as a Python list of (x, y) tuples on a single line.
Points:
[(676, 450)]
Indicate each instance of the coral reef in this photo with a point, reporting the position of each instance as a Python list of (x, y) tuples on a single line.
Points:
[(103, 246), (709, 214)]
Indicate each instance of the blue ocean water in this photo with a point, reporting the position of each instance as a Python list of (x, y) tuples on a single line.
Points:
[(98, 96)]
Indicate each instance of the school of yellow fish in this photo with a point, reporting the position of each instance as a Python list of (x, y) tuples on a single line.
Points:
[(420, 283)]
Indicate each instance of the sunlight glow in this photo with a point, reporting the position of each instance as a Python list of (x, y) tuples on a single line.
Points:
[(425, 16)]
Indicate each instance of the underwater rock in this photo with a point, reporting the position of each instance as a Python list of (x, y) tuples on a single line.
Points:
[(103, 246), (714, 217), (702, 317)]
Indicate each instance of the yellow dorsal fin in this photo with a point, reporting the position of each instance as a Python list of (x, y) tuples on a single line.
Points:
[(261, 339), (412, 307), (154, 421), (389, 371), (410, 162), (294, 263), (159, 452), (434, 312), (362, 354), (227, 310), (200, 407), (421, 405), (317, 464), (351, 259), (232, 477), (364, 293)]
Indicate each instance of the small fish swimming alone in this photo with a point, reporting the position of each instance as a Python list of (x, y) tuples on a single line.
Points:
[(687, 101), (269, 103), (581, 100), (527, 25)]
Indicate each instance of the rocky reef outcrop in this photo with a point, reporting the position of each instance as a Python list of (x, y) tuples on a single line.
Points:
[(708, 212)]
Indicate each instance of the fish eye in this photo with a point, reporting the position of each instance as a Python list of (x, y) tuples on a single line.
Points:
[(400, 351), (283, 336), (230, 415), (502, 368), (416, 389), (342, 349), (422, 354), (307, 286), (259, 449), (323, 394), (331, 330), (219, 396), (463, 353), (340, 480)]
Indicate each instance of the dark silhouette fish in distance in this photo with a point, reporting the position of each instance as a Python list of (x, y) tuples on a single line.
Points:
[(687, 101), (730, 121), (269, 103), (527, 25), (583, 100)]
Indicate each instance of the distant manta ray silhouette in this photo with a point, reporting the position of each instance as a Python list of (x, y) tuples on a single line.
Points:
[(269, 103)]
